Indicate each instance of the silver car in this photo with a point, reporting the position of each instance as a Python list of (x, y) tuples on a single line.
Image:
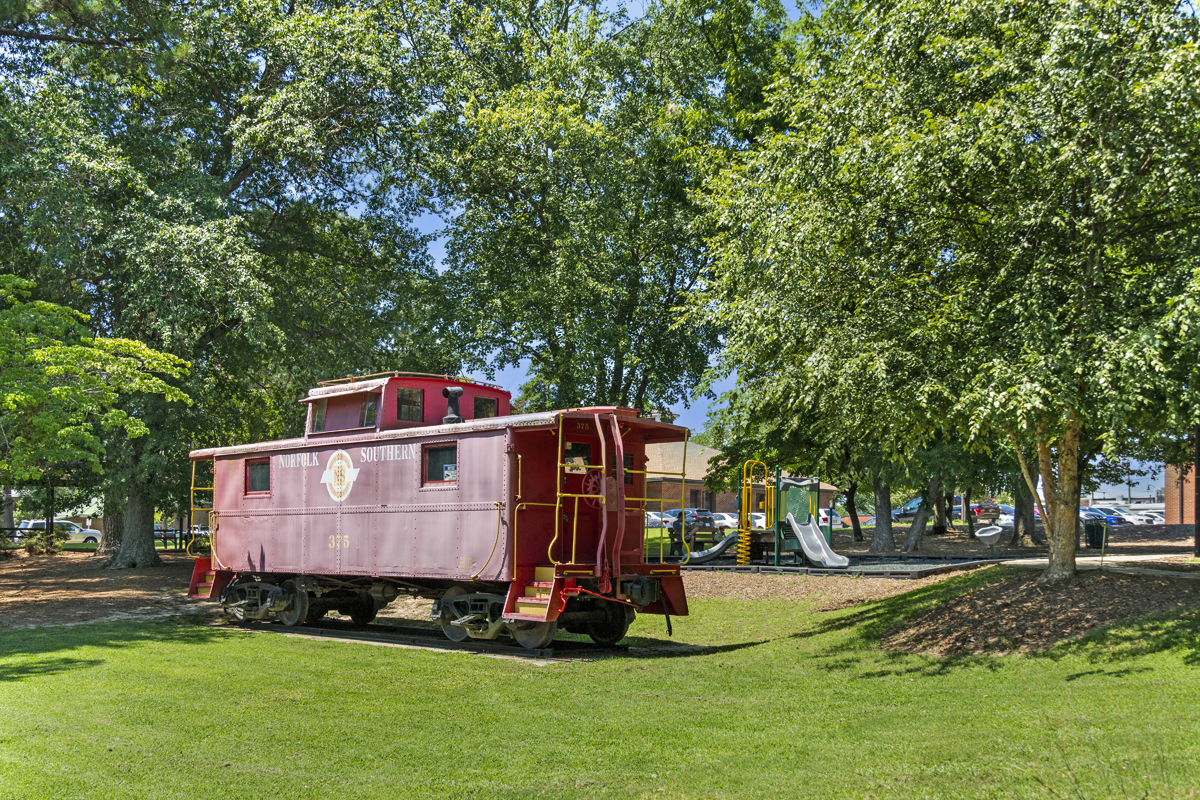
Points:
[(75, 533)]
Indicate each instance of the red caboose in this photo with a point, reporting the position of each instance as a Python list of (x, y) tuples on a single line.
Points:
[(426, 485)]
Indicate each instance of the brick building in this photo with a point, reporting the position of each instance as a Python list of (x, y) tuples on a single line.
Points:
[(669, 458), (1179, 496)]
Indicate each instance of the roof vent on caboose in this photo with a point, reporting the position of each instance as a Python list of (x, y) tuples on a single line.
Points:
[(410, 483)]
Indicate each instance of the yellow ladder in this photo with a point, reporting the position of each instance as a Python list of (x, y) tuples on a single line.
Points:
[(748, 483)]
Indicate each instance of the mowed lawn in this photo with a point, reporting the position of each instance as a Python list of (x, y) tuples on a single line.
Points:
[(772, 699)]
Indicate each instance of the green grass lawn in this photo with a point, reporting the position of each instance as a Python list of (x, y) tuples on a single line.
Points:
[(772, 700)]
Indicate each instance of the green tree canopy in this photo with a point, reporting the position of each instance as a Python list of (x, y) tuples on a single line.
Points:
[(59, 386), (226, 181), (565, 146), (981, 217)]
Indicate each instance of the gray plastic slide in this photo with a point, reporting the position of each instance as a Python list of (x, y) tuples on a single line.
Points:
[(716, 551), (815, 547)]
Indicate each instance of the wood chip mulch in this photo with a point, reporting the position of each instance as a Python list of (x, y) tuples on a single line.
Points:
[(1016, 615)]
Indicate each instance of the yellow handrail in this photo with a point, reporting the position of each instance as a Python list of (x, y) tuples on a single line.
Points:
[(212, 512), (748, 470), (499, 521)]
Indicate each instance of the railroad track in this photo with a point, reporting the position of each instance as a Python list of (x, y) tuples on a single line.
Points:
[(432, 638)]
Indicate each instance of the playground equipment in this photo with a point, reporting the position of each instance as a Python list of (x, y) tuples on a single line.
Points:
[(716, 551), (745, 545), (989, 536), (812, 541), (790, 507)]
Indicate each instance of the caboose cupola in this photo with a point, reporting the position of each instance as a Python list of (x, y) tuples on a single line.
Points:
[(397, 400)]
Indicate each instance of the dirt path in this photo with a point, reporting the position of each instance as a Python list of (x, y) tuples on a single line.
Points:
[(71, 588)]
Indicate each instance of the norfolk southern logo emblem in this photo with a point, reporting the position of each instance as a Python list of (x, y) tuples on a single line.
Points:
[(339, 475)]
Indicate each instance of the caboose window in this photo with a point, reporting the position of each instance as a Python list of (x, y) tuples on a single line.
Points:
[(577, 453), (441, 464), (408, 405), (258, 476), (485, 407), (366, 415), (319, 415)]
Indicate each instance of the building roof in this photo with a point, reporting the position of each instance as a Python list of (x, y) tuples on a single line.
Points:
[(669, 458)]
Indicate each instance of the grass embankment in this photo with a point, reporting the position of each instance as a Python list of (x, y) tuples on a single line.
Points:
[(769, 699)]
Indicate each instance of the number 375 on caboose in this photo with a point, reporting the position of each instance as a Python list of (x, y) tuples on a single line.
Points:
[(424, 485)]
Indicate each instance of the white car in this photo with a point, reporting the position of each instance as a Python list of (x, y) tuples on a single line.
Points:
[(725, 522), (653, 519), (1144, 517), (758, 520), (829, 518)]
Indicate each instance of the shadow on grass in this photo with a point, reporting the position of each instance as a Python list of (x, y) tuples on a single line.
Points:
[(643, 647), (870, 623), (1174, 632), (42, 651)]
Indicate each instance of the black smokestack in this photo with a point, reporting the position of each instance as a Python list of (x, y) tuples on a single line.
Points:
[(453, 415)]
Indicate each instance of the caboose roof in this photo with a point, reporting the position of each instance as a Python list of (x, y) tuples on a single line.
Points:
[(655, 431), (338, 390)]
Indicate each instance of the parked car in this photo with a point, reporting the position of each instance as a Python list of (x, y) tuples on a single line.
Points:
[(1114, 515), (75, 533), (906, 511), (980, 510), (830, 518), (758, 520), (724, 521), (653, 519), (165, 532), (701, 517)]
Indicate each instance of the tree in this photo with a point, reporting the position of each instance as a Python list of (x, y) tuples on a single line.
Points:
[(564, 149), (997, 204), (226, 181), (61, 389)]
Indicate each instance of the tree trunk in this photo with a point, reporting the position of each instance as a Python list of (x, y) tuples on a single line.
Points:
[(882, 541), (137, 542), (967, 514), (114, 528), (852, 508), (937, 498), (1062, 501), (7, 521), (1023, 521), (916, 533)]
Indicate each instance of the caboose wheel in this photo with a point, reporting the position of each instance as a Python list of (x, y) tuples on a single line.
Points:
[(613, 627), (363, 612), (455, 633), (536, 636), (297, 609)]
